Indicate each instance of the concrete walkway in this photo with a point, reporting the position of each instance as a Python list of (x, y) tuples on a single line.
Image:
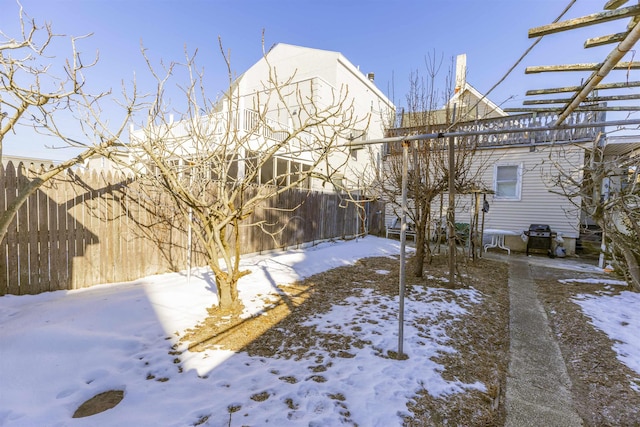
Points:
[(538, 387)]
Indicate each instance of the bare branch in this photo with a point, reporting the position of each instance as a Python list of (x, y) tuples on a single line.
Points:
[(34, 96)]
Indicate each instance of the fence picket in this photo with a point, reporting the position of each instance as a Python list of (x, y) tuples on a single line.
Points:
[(13, 281), (4, 280), (54, 240), (43, 241), (33, 271), (75, 209), (23, 235), (92, 222)]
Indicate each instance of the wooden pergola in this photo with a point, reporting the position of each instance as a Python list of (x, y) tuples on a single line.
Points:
[(582, 96)]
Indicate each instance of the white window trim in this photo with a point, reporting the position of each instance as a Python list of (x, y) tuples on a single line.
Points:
[(518, 195)]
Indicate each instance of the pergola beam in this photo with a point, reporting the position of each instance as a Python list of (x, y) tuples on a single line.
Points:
[(585, 21), (614, 4), (609, 64), (589, 99), (601, 41), (558, 110), (621, 85), (626, 65)]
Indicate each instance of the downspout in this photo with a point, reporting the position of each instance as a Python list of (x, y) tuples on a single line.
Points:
[(612, 59)]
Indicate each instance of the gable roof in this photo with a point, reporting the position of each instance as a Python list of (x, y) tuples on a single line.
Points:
[(313, 62), (471, 104)]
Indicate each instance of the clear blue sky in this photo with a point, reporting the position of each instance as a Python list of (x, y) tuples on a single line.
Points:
[(390, 38)]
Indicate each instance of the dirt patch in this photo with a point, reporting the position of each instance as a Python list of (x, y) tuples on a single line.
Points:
[(99, 403), (480, 337), (600, 382)]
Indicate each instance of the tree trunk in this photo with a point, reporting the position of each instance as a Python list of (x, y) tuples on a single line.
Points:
[(632, 265), (418, 265), (227, 281), (421, 240), (227, 287), (227, 292)]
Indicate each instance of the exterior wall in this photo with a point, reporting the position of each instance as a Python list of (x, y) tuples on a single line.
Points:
[(538, 204), (392, 211)]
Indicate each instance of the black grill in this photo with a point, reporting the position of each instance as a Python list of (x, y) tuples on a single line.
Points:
[(540, 238)]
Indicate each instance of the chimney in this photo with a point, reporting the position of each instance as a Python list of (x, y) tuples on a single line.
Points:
[(461, 72), (371, 76)]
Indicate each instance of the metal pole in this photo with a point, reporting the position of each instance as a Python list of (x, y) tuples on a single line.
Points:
[(189, 238), (357, 210), (484, 212), (473, 234), (451, 215), (403, 241)]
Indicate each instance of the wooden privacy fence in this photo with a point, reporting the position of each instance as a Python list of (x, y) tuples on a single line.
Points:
[(85, 228)]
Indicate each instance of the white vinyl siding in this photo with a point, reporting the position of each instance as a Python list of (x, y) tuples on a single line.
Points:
[(537, 204)]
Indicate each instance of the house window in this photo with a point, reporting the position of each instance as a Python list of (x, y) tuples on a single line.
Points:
[(507, 182)]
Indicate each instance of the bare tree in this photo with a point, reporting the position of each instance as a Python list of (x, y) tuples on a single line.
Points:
[(31, 96), (428, 161), (219, 160), (607, 189)]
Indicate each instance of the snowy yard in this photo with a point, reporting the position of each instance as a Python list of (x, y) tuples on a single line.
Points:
[(59, 349)]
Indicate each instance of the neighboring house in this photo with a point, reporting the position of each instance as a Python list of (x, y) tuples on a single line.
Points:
[(516, 170), (312, 77)]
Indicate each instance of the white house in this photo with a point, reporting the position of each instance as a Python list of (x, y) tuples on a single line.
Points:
[(522, 169), (307, 80), (516, 170)]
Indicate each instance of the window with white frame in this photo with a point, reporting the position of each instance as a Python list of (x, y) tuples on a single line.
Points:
[(507, 181)]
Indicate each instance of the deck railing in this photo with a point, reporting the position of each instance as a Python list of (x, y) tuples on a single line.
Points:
[(517, 123), (270, 129)]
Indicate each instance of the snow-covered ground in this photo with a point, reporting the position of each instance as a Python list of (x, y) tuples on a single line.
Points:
[(58, 349)]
